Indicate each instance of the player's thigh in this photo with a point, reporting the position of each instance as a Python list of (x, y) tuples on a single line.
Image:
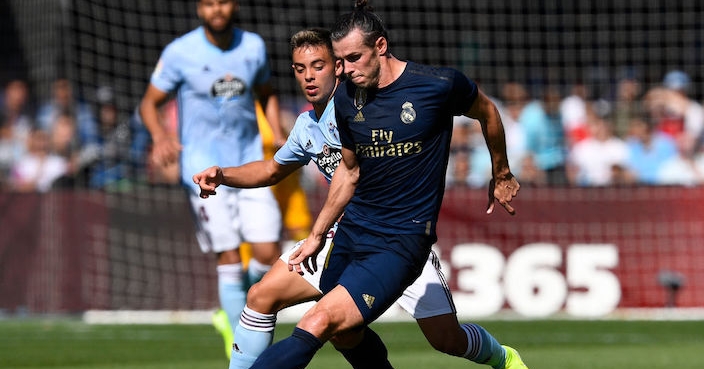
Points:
[(429, 295), (280, 288), (259, 216), (215, 220)]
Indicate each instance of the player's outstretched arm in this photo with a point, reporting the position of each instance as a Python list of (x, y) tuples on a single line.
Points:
[(255, 174), (503, 186)]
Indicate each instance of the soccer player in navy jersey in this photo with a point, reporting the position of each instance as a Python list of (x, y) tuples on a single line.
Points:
[(217, 70), (315, 138), (395, 121)]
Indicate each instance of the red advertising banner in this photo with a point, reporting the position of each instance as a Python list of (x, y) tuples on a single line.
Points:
[(585, 250), (581, 251)]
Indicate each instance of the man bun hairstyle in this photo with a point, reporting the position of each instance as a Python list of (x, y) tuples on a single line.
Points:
[(362, 18)]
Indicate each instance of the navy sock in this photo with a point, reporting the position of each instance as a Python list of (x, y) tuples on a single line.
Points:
[(294, 352), (370, 353)]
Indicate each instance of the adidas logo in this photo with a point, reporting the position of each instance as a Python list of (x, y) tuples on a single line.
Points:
[(368, 299), (359, 117)]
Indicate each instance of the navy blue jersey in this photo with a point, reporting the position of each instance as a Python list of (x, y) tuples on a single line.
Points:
[(401, 136)]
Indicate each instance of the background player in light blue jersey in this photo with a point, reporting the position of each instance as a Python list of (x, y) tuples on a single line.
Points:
[(395, 122), (217, 70), (315, 138)]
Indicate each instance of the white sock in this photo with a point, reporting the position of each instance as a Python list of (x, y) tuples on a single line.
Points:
[(232, 290), (253, 334)]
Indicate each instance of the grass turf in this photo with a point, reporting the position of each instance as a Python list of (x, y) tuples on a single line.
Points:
[(544, 344)]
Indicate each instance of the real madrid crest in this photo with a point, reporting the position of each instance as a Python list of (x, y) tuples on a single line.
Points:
[(408, 114)]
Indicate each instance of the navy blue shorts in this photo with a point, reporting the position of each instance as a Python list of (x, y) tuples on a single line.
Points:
[(374, 268)]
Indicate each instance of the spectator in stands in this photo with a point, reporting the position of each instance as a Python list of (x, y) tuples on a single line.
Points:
[(573, 110), (686, 168), (648, 149), (15, 126), (595, 160), (63, 101), (39, 168), (545, 137), (478, 170), (113, 169), (672, 108), (628, 103), (66, 142)]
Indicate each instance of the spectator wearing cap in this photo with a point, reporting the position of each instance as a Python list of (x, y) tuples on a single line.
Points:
[(672, 109)]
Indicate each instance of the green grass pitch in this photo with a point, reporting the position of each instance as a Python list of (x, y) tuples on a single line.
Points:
[(544, 344)]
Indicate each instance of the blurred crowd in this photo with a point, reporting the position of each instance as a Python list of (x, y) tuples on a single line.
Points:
[(67, 143), (639, 136)]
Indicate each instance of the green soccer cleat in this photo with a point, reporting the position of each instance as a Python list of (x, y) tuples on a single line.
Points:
[(513, 359), (222, 324)]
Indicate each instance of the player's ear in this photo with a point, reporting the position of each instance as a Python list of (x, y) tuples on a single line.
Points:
[(338, 67), (381, 45)]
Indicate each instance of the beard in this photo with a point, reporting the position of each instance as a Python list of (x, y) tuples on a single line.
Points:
[(220, 30)]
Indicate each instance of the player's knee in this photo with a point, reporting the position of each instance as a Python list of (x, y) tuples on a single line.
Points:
[(263, 299), (319, 322)]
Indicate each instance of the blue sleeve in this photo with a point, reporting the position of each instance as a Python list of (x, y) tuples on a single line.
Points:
[(166, 75), (464, 92), (293, 152)]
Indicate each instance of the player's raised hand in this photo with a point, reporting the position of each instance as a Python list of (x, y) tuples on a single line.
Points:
[(503, 190), (208, 180), (306, 254)]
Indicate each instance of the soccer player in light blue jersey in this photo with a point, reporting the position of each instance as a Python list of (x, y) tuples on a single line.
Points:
[(315, 138), (217, 70), (395, 122)]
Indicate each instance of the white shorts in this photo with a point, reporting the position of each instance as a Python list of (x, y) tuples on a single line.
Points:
[(235, 215), (428, 296)]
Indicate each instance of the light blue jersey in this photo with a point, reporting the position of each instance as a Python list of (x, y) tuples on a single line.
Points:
[(217, 120), (313, 139)]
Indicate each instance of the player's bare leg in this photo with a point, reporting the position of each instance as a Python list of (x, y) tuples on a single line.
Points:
[(264, 254), (469, 341), (278, 289)]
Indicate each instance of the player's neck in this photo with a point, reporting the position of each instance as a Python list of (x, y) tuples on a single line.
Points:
[(221, 40), (391, 69), (319, 108)]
